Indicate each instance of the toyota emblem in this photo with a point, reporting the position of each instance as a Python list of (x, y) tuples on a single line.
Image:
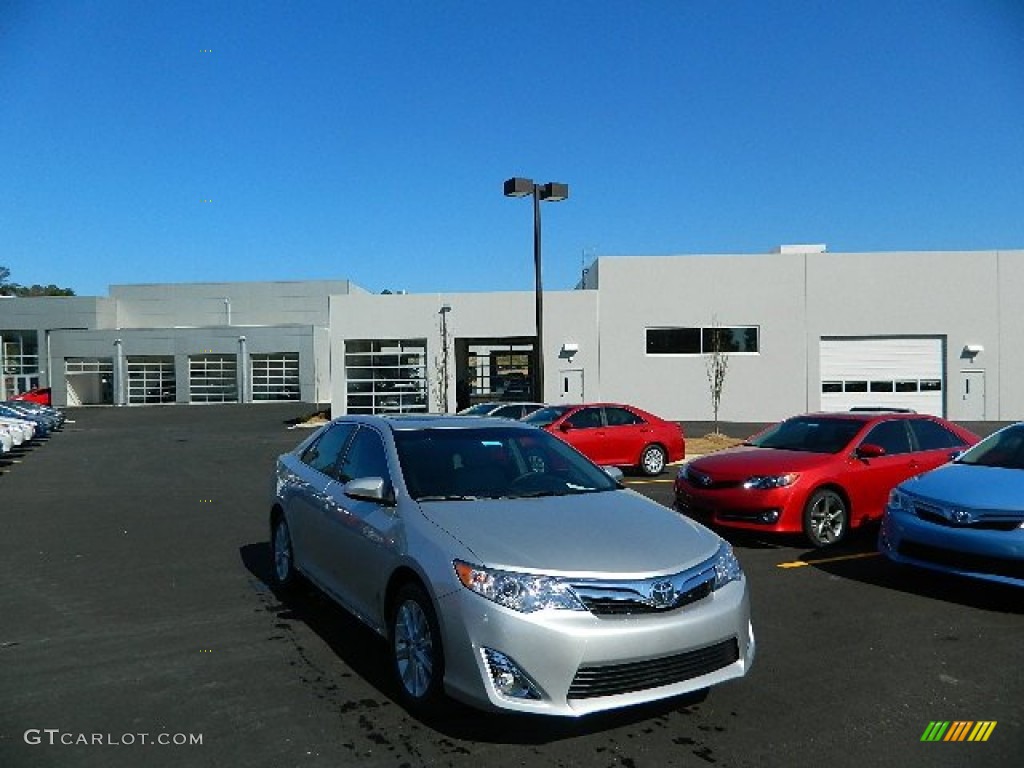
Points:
[(663, 594)]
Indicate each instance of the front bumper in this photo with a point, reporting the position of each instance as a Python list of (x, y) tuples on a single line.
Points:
[(779, 510), (582, 663), (993, 555)]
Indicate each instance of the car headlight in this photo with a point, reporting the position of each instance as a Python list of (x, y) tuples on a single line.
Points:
[(898, 500), (523, 592), (767, 482), (727, 567)]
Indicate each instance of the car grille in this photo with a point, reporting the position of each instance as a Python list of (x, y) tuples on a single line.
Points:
[(604, 603), (934, 515), (612, 679), (963, 561)]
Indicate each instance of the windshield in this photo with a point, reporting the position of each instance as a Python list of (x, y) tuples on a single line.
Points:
[(480, 409), (1003, 449), (810, 434), (493, 462), (545, 416)]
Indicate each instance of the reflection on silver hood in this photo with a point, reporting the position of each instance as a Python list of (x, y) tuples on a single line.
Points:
[(617, 534)]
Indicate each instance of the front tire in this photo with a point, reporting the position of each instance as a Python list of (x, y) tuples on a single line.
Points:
[(652, 460), (417, 658), (826, 518), (285, 574)]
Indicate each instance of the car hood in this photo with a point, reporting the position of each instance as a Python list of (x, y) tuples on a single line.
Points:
[(993, 489), (617, 534), (742, 462)]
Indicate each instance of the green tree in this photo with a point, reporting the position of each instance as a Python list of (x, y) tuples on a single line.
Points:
[(14, 289)]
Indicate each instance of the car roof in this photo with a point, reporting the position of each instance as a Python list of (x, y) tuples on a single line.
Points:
[(865, 416), (416, 421)]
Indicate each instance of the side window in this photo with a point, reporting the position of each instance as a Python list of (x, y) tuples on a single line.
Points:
[(620, 417), (365, 458), (932, 436), (586, 418), (323, 455), (890, 435)]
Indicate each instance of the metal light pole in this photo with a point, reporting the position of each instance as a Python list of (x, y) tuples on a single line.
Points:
[(555, 192)]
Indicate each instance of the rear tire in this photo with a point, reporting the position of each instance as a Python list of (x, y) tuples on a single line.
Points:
[(652, 460)]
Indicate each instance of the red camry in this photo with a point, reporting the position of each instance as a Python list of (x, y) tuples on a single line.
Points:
[(819, 474), (612, 434)]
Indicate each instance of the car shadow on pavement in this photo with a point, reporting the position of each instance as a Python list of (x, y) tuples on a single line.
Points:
[(867, 565), (365, 654)]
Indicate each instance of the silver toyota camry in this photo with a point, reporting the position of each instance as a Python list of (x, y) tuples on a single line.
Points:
[(505, 569)]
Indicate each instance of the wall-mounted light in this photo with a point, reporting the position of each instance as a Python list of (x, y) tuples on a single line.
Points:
[(569, 350), (972, 350)]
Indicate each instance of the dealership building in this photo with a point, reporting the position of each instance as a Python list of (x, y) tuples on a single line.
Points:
[(802, 329)]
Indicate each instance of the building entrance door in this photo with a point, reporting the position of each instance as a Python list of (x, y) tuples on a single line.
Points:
[(571, 389), (972, 393)]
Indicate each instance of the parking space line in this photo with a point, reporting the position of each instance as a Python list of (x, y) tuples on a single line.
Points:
[(802, 563), (645, 482)]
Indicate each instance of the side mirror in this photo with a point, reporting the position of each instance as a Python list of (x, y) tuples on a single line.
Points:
[(369, 489), (870, 451), (565, 426), (614, 473)]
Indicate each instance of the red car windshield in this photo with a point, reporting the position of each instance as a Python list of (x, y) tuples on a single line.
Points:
[(810, 434)]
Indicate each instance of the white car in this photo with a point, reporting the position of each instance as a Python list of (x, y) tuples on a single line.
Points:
[(6, 439), (21, 430)]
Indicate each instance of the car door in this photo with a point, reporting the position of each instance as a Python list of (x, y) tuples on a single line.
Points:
[(876, 476), (360, 536), (586, 433), (934, 444), (625, 436), (309, 484)]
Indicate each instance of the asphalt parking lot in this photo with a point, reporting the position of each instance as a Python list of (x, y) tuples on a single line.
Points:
[(136, 601)]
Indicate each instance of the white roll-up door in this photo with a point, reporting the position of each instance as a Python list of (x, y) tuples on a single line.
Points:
[(884, 372)]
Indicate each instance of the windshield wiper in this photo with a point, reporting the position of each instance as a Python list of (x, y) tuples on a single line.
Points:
[(447, 497)]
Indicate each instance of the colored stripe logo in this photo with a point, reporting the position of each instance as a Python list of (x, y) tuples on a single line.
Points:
[(958, 730)]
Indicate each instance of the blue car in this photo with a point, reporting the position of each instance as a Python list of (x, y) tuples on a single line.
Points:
[(966, 517)]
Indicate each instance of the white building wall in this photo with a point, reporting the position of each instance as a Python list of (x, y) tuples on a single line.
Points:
[(568, 317), (766, 290)]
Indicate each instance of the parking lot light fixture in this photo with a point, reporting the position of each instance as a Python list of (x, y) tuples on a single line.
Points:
[(552, 191)]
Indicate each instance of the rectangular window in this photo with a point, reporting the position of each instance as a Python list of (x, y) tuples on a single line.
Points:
[(696, 341), (855, 386), (909, 385), (881, 386), (931, 385), (831, 386)]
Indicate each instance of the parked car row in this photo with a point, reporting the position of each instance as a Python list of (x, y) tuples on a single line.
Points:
[(945, 501), (507, 570), (24, 422)]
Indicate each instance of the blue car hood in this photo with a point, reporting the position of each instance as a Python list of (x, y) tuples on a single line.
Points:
[(993, 489)]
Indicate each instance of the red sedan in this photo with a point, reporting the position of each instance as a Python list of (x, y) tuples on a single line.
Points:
[(615, 435), (820, 474)]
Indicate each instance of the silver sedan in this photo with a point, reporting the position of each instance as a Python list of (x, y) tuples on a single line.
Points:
[(505, 569)]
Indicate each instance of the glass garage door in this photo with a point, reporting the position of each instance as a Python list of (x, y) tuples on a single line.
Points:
[(151, 380), (213, 379), (275, 376), (386, 376)]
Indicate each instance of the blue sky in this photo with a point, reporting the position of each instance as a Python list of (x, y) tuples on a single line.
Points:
[(370, 141)]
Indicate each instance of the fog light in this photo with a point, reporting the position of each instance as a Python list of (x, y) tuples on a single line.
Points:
[(770, 516), (509, 680)]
